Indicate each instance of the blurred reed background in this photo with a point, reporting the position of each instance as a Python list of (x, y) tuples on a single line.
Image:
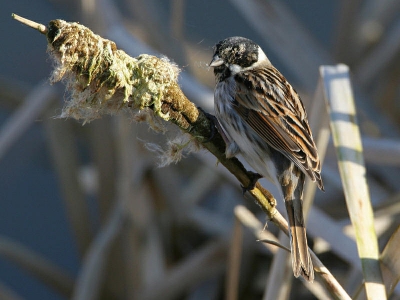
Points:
[(85, 212)]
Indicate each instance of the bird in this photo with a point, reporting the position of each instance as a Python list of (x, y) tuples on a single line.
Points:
[(261, 117)]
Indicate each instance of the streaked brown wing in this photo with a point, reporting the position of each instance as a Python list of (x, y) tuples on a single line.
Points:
[(275, 112)]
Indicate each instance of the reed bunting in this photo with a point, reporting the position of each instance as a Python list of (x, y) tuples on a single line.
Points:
[(262, 118)]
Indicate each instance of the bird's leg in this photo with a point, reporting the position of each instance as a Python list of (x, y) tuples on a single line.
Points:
[(214, 124), (253, 180)]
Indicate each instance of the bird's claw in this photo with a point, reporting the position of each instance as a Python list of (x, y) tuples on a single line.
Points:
[(254, 177), (213, 125)]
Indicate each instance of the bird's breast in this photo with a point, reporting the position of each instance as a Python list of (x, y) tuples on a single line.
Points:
[(224, 96)]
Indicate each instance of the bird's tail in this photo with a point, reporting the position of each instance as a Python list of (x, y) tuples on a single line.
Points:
[(301, 259)]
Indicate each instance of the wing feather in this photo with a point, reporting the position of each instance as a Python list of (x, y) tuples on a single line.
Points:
[(275, 112)]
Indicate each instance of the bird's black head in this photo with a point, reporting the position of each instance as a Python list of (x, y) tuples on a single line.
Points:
[(232, 55)]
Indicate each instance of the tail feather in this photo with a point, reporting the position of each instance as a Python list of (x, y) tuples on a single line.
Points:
[(292, 182), (301, 259)]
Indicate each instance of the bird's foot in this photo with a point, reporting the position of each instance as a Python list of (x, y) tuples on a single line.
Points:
[(254, 177), (213, 124)]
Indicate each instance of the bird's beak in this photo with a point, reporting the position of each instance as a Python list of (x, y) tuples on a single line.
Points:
[(216, 61)]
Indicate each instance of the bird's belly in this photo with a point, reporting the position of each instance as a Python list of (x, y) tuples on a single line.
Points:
[(253, 149)]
